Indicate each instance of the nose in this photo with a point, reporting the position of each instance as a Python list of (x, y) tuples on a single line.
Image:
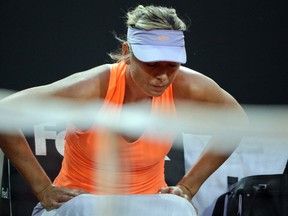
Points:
[(162, 76)]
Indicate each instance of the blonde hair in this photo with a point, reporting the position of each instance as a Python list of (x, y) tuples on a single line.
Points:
[(148, 18)]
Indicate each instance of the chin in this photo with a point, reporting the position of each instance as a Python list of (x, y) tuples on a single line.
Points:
[(156, 94)]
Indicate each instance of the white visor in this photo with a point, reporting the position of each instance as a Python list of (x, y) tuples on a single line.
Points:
[(157, 45)]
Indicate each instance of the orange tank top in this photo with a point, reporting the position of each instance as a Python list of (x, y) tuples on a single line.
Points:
[(101, 163)]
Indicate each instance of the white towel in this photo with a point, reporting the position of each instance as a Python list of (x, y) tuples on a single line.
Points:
[(123, 205)]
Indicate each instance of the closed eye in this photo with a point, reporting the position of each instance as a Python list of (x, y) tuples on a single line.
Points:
[(173, 65), (151, 64)]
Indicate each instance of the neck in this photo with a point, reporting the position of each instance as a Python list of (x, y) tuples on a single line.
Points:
[(131, 97)]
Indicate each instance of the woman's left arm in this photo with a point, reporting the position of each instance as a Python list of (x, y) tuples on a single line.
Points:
[(226, 115)]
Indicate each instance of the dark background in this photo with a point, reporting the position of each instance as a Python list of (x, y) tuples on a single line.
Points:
[(241, 44)]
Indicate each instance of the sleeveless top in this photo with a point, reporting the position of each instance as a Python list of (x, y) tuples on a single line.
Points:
[(101, 162)]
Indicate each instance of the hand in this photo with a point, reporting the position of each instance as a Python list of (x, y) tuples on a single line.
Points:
[(177, 190), (53, 197), (181, 191)]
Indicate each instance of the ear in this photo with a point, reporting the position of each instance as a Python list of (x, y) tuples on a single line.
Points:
[(125, 51), (125, 48)]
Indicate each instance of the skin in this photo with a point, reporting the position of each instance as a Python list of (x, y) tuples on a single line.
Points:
[(143, 81)]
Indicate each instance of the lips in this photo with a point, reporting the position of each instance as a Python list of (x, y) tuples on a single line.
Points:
[(158, 88)]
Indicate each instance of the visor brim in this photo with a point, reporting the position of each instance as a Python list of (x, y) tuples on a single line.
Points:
[(148, 53)]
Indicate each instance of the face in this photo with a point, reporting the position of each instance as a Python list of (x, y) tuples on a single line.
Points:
[(152, 78)]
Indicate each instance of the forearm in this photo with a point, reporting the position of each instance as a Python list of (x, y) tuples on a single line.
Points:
[(16, 148), (212, 157), (205, 166)]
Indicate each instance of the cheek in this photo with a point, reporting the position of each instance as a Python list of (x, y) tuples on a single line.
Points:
[(172, 76), (175, 74), (139, 76), (143, 74)]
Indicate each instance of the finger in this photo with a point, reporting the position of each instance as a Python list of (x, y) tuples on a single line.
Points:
[(185, 196), (78, 192), (176, 191), (170, 190), (73, 192), (56, 205), (64, 198), (82, 192), (164, 190), (67, 192), (51, 205)]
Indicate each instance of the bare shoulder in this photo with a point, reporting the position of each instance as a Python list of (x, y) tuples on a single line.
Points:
[(92, 83), (193, 85), (86, 85)]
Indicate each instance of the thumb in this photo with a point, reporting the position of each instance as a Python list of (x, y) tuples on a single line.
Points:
[(164, 190)]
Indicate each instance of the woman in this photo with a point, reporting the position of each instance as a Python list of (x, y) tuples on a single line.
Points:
[(148, 71)]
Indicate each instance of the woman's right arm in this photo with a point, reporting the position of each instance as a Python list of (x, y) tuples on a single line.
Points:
[(14, 145), (79, 87), (16, 148)]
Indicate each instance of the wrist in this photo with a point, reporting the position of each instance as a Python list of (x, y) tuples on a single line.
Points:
[(41, 188), (186, 188)]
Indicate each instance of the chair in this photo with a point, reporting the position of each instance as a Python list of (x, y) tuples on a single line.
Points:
[(5, 201)]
